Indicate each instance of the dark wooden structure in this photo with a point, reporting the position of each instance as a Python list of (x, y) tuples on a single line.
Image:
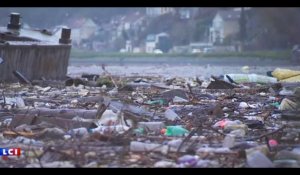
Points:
[(35, 54)]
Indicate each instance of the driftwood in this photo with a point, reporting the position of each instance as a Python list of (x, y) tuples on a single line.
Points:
[(62, 113), (56, 121), (133, 111), (22, 79)]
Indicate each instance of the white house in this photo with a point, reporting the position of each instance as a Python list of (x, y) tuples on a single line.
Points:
[(128, 46), (225, 23), (83, 28), (157, 11), (150, 43)]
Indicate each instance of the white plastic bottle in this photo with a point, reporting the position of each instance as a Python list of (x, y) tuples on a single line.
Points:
[(250, 78)]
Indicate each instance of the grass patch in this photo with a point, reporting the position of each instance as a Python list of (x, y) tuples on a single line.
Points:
[(75, 53), (282, 54)]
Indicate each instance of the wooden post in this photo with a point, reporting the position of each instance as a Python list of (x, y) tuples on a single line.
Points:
[(65, 36), (14, 21)]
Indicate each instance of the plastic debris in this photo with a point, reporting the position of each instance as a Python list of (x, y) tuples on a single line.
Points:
[(176, 131), (250, 78), (188, 160), (171, 115), (258, 160), (287, 104)]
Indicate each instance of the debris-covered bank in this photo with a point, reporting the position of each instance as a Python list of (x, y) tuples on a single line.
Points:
[(104, 120)]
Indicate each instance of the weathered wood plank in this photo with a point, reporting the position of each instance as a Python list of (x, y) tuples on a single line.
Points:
[(34, 61)]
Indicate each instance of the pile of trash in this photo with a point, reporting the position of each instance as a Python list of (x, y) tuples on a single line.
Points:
[(235, 120)]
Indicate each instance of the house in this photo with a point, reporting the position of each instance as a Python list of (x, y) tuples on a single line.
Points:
[(132, 21), (150, 43), (185, 13), (199, 47), (83, 29), (224, 24), (128, 46), (180, 49), (157, 11)]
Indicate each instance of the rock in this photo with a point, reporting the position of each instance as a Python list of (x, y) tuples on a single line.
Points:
[(257, 159)]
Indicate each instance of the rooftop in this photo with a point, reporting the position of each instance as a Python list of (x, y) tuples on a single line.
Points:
[(28, 36)]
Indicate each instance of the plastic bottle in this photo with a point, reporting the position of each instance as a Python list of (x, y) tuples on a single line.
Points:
[(152, 126), (144, 147), (176, 131), (250, 78), (110, 129), (159, 102)]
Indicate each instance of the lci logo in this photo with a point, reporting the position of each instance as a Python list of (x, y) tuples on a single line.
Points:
[(10, 152)]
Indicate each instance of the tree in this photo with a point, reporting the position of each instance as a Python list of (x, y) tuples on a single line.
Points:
[(125, 35), (164, 44)]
